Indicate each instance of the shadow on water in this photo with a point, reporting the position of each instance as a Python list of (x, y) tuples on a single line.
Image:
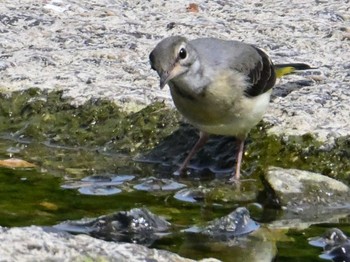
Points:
[(85, 167)]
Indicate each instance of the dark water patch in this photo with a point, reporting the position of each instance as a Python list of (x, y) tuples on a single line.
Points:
[(261, 151)]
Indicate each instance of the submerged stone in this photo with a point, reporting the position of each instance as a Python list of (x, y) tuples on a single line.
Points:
[(220, 192), (246, 191), (335, 243), (235, 224), (152, 184), (123, 178), (331, 238), (98, 185), (191, 195), (138, 225), (99, 190)]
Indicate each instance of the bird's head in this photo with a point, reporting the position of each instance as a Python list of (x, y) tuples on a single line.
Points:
[(171, 58)]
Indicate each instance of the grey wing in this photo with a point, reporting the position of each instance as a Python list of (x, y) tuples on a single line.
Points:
[(261, 75), (245, 58)]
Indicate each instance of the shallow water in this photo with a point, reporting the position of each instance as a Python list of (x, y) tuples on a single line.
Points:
[(48, 196), (85, 168)]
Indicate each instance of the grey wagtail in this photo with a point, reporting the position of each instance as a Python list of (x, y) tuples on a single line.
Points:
[(221, 87)]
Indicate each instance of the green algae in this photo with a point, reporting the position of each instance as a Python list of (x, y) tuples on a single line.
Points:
[(49, 117), (300, 152), (40, 116)]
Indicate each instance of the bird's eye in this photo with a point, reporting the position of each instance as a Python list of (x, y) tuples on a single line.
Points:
[(182, 53)]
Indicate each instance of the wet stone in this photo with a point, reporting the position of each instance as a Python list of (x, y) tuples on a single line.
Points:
[(99, 190), (191, 195), (99, 185), (138, 225), (246, 191), (122, 178), (341, 253), (96, 179), (46, 244), (219, 191), (301, 191), (152, 184), (335, 244), (235, 224), (333, 237)]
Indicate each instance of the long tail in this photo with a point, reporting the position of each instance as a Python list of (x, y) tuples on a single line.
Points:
[(286, 69)]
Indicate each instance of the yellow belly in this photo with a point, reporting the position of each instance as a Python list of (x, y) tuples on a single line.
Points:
[(231, 114)]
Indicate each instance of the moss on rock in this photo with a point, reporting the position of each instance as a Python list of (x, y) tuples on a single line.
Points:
[(42, 116)]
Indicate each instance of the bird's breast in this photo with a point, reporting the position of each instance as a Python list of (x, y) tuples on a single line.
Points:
[(221, 107)]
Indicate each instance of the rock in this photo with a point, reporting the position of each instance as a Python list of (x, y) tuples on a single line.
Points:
[(335, 243), (220, 191), (244, 237), (305, 196), (35, 244), (192, 195), (340, 253), (138, 225), (235, 224), (105, 184), (153, 184), (297, 181), (333, 237)]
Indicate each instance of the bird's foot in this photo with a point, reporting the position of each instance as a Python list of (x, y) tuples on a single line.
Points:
[(180, 172), (234, 180)]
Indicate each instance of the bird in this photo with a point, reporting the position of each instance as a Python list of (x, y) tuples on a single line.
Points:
[(221, 87)]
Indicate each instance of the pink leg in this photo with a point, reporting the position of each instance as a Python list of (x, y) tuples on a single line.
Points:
[(236, 175), (203, 138)]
